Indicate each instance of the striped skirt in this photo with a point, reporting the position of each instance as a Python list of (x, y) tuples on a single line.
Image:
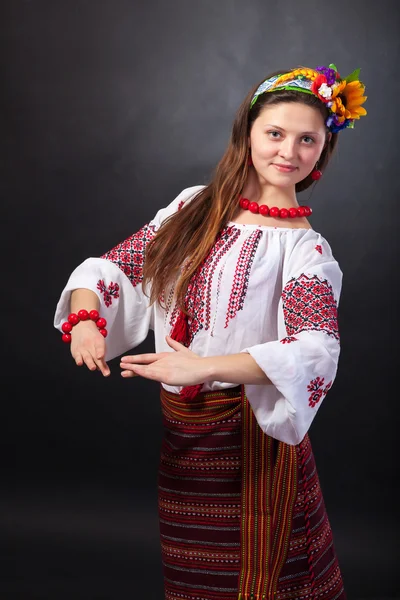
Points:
[(242, 515)]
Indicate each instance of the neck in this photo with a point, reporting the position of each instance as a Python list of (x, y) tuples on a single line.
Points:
[(258, 190)]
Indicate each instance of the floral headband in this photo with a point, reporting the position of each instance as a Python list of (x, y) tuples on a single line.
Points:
[(343, 97)]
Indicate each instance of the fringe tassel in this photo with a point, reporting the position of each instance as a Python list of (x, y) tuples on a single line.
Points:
[(180, 333), (190, 391)]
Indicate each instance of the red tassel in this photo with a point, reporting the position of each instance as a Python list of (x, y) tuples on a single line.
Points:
[(190, 391), (180, 332)]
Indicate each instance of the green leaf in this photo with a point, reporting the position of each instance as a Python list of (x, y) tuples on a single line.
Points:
[(354, 76), (334, 67)]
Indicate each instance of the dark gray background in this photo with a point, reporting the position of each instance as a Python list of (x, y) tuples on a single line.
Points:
[(108, 110)]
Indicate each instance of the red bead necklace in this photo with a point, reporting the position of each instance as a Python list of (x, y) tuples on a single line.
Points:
[(274, 211)]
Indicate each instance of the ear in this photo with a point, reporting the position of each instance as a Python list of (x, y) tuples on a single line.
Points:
[(329, 137)]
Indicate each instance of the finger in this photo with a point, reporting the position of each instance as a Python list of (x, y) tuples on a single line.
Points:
[(102, 366), (89, 362), (141, 358), (100, 350), (98, 357), (129, 367), (143, 371), (173, 342), (127, 374), (176, 345), (78, 359)]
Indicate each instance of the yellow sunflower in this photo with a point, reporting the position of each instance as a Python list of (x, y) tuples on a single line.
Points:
[(348, 105), (340, 111)]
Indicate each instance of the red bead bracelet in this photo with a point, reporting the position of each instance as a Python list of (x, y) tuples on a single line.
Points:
[(83, 315), (274, 211)]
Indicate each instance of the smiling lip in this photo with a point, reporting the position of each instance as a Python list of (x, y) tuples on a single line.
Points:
[(284, 168)]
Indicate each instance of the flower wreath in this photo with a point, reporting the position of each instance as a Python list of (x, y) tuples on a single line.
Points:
[(343, 97)]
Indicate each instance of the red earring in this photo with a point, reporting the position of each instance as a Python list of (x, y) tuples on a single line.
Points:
[(249, 161), (316, 173)]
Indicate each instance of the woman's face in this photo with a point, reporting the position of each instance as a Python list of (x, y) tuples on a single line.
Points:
[(286, 140)]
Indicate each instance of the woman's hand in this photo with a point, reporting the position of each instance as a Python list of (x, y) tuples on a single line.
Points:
[(182, 367), (88, 346)]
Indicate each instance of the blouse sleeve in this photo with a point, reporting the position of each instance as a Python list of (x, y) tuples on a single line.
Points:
[(303, 361), (116, 277)]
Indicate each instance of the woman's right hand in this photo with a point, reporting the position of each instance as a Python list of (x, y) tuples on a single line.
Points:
[(89, 346)]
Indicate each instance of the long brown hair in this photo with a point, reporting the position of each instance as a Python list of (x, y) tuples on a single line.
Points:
[(188, 235)]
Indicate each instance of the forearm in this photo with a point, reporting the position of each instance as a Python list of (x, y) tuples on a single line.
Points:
[(84, 298), (235, 368)]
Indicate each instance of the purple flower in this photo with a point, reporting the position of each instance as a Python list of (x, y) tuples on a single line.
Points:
[(336, 128), (330, 74)]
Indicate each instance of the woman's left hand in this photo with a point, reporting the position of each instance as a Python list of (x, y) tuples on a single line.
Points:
[(182, 367)]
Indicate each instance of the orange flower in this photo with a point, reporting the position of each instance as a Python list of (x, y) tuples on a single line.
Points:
[(347, 99), (339, 110), (354, 94)]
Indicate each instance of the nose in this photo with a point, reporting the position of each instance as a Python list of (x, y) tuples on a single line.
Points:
[(287, 148)]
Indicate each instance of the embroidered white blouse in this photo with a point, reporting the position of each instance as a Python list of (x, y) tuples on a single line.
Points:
[(270, 291)]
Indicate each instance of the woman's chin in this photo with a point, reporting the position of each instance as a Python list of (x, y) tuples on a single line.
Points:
[(281, 181), (272, 176)]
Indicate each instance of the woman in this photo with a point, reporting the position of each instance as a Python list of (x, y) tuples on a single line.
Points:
[(242, 296)]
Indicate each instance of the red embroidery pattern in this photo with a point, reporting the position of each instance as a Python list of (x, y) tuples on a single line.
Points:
[(129, 254), (318, 248), (181, 203), (220, 276), (198, 296), (309, 305), (288, 339), (167, 302), (108, 292), (242, 273), (318, 391)]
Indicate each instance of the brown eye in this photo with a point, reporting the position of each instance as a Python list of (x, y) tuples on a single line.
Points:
[(272, 134)]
